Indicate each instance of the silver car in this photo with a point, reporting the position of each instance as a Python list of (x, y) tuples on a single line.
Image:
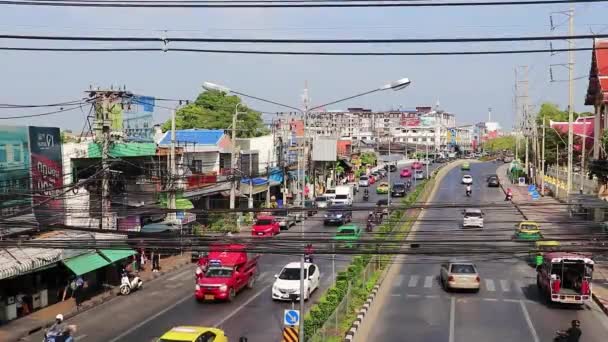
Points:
[(459, 275)]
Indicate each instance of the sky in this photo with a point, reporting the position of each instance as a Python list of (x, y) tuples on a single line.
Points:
[(464, 85)]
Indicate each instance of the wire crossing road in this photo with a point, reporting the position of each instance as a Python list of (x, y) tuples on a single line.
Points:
[(507, 308)]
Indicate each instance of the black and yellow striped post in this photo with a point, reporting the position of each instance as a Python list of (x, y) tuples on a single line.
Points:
[(290, 334)]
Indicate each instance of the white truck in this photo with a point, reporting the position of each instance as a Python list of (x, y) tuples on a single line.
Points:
[(344, 195)]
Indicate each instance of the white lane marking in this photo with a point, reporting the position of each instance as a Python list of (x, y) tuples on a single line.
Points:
[(235, 311), (172, 286), (428, 281), (396, 295), (490, 299), (151, 318), (413, 281), (505, 285), (81, 337), (262, 275), (431, 296), (399, 280), (529, 321), (511, 300), (181, 274), (452, 318), (490, 285), (412, 296)]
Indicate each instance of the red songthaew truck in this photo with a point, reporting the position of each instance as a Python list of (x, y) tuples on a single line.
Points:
[(225, 271), (565, 278)]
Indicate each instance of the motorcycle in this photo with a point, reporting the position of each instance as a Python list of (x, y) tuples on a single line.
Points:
[(508, 197), (560, 336), (128, 285), (468, 193), (366, 196), (308, 258), (60, 336)]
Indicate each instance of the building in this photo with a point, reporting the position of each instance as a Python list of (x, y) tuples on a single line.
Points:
[(597, 92)]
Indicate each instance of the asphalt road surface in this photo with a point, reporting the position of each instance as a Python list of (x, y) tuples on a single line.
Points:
[(169, 301), (412, 306)]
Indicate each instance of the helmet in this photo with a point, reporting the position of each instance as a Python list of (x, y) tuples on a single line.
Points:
[(59, 317), (576, 323)]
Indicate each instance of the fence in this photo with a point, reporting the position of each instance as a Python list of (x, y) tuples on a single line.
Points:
[(339, 322), (588, 186)]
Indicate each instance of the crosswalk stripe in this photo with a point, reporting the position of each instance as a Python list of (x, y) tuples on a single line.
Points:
[(505, 285), (262, 275), (399, 280), (428, 281), (413, 281), (490, 285)]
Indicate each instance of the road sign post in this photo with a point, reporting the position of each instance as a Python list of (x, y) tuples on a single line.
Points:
[(291, 317)]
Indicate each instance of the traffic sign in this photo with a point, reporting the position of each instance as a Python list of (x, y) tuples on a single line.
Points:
[(291, 317), (290, 334)]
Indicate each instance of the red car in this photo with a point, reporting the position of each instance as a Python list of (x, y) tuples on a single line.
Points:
[(265, 226), (417, 166), (405, 173)]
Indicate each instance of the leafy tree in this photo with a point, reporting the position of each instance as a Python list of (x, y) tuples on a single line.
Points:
[(214, 109), (500, 143), (368, 158)]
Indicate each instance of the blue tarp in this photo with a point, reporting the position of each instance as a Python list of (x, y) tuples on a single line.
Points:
[(255, 181), (194, 136), (276, 175), (295, 174)]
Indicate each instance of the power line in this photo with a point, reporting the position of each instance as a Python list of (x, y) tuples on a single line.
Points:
[(304, 41), (59, 104), (298, 53), (295, 4), (62, 110)]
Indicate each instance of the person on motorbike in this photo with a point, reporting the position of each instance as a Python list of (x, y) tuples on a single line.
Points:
[(408, 185), (365, 194), (469, 190), (57, 329), (308, 252), (573, 334), (371, 216), (509, 194)]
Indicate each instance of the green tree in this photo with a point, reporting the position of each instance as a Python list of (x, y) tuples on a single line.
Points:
[(551, 112), (214, 109), (500, 143)]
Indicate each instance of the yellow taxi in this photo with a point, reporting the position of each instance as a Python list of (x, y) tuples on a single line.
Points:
[(194, 334), (383, 188)]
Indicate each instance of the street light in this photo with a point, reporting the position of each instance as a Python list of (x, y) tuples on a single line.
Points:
[(395, 85)]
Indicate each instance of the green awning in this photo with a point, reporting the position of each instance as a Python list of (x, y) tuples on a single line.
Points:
[(116, 254), (85, 263)]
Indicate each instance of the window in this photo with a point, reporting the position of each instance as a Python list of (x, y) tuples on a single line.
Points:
[(16, 153), (206, 337), (311, 269), (2, 153)]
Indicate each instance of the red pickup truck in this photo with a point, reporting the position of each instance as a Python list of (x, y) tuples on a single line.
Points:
[(230, 269)]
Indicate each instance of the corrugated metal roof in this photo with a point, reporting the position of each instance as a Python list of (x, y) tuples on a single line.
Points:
[(193, 136), (16, 261)]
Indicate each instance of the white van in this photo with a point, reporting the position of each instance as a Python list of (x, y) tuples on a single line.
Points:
[(472, 217), (344, 195)]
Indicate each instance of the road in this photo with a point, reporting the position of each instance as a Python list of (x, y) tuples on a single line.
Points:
[(145, 315), (507, 308)]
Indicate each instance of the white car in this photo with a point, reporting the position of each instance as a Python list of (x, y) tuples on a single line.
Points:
[(467, 179), (459, 275), (364, 181), (330, 194), (419, 174), (287, 282), (472, 217), (426, 161)]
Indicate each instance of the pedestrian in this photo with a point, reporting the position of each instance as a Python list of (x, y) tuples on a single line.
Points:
[(155, 261), (142, 259)]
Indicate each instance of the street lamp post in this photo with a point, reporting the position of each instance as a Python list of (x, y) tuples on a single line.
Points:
[(396, 85)]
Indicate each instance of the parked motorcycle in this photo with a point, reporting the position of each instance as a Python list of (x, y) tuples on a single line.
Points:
[(369, 226), (128, 285)]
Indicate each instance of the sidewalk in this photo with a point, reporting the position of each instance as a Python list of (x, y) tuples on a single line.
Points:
[(19, 328), (548, 208)]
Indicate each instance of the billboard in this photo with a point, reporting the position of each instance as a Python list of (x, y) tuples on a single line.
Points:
[(427, 121), (14, 170), (138, 120), (46, 173)]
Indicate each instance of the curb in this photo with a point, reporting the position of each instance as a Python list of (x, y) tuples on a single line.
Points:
[(512, 202), (603, 304), (350, 335), (106, 297)]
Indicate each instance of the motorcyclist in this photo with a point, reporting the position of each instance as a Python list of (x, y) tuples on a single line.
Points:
[(371, 216), (469, 190), (509, 194), (408, 184), (308, 252), (366, 194), (573, 334), (56, 330)]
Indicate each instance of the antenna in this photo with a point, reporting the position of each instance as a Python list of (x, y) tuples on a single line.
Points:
[(551, 22)]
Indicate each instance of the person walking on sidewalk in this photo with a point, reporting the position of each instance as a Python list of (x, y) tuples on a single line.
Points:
[(155, 261)]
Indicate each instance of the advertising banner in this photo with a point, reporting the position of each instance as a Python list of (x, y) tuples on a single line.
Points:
[(47, 175), (138, 120), (427, 121), (14, 170), (410, 121)]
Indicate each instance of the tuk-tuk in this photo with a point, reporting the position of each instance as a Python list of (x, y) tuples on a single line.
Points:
[(528, 231), (543, 247)]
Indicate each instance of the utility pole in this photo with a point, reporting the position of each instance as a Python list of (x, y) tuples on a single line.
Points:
[(542, 161), (173, 171), (233, 159), (570, 98), (523, 115), (104, 102), (306, 101)]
